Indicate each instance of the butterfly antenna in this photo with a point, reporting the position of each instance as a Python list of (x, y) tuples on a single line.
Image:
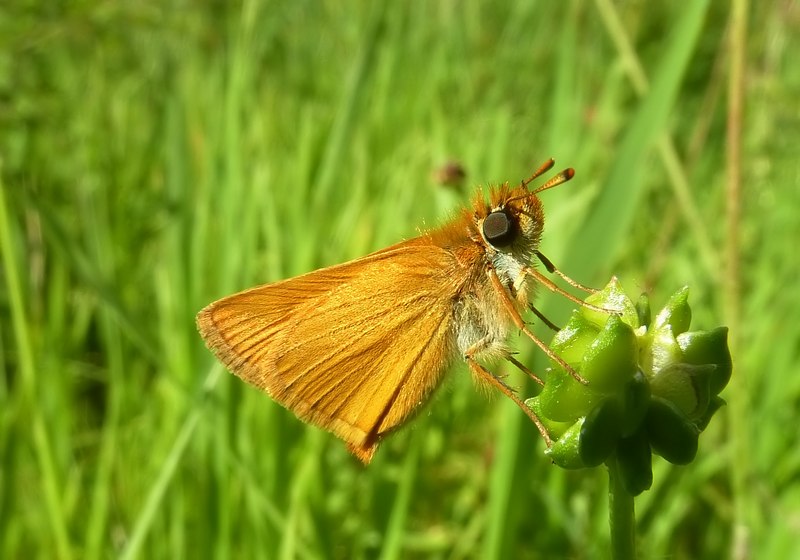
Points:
[(545, 167)]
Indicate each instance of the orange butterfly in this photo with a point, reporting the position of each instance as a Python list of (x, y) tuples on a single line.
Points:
[(358, 347)]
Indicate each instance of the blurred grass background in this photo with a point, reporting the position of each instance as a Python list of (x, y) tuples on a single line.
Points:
[(158, 155)]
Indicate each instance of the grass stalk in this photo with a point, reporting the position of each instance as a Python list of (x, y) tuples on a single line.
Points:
[(739, 395)]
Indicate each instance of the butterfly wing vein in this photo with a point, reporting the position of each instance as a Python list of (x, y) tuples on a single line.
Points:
[(354, 348)]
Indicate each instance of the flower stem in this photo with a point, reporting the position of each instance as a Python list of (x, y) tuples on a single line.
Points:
[(621, 517)]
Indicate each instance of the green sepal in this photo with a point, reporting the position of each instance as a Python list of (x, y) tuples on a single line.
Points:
[(600, 432), (571, 341), (715, 403), (635, 462), (613, 298), (709, 347), (700, 376), (565, 451), (671, 434), (564, 399), (662, 351), (676, 313), (686, 386), (635, 400), (554, 428), (610, 360)]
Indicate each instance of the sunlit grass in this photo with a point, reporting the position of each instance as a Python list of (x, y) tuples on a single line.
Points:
[(156, 158)]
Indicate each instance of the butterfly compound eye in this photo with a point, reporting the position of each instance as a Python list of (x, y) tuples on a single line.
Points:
[(498, 229)]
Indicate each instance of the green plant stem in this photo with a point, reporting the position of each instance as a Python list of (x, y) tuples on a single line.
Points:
[(621, 516)]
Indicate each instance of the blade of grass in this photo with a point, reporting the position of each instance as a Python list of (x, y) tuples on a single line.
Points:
[(102, 484), (42, 446), (346, 112), (394, 533), (158, 490), (496, 540), (666, 148), (616, 204), (86, 269)]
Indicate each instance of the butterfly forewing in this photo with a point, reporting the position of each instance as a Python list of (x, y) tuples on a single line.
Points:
[(353, 348)]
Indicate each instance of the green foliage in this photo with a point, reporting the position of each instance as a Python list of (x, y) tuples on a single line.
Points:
[(155, 156)]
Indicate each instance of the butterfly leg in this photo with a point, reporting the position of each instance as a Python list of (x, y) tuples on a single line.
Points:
[(520, 324), (552, 326), (551, 268), (550, 285), (524, 369), (482, 373)]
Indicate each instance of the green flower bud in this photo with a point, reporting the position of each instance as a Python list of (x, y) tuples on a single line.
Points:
[(613, 298), (635, 400), (600, 432), (661, 352), (677, 313), (709, 347), (563, 399), (714, 405), (684, 385), (571, 342), (649, 391), (670, 433), (565, 451), (610, 360), (554, 428), (634, 460)]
